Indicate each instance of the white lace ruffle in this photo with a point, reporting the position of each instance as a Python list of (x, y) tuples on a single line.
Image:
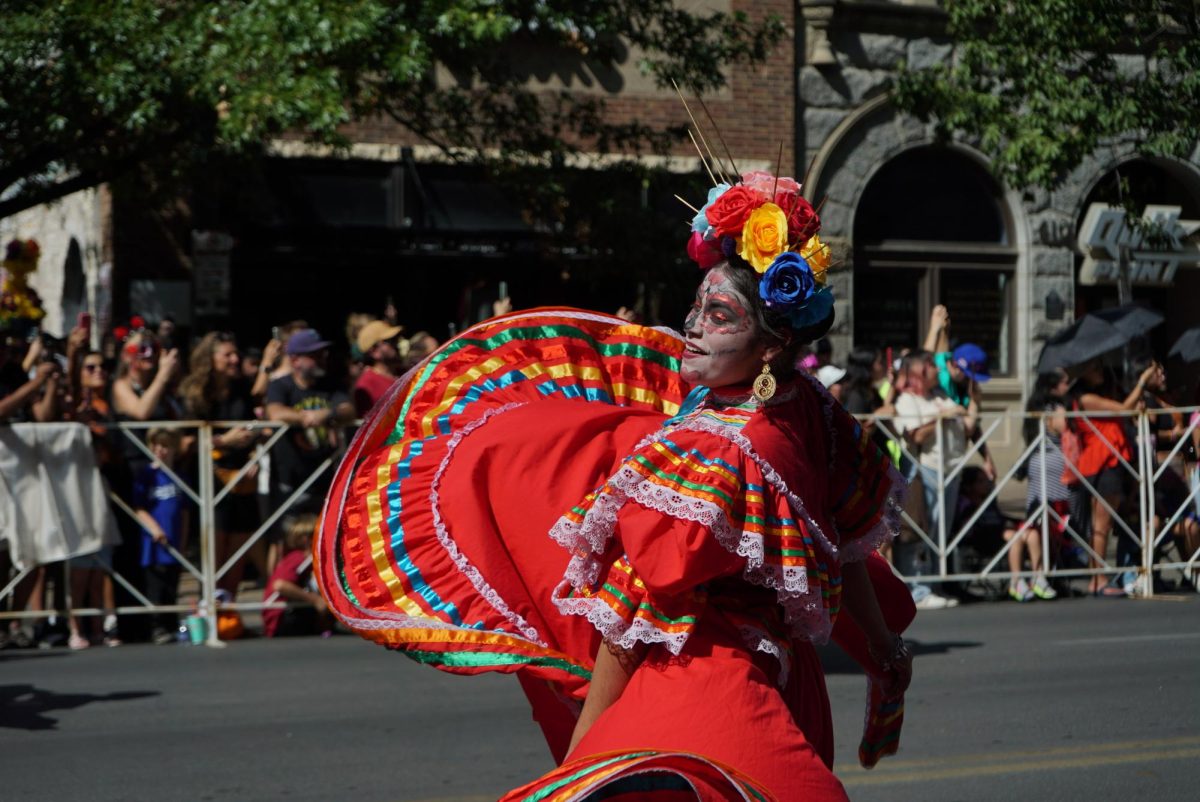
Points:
[(888, 526), (803, 605), (612, 627), (469, 571), (735, 436), (757, 640)]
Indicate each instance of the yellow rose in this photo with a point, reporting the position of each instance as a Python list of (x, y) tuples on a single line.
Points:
[(816, 253), (764, 236)]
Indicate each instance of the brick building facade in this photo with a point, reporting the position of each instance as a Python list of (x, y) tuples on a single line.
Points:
[(915, 222)]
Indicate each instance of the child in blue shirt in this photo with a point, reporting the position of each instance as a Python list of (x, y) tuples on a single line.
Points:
[(159, 502)]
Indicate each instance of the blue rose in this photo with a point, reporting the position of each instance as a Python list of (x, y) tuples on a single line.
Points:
[(700, 221), (788, 282), (814, 310)]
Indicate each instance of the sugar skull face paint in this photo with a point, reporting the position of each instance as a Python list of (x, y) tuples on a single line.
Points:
[(723, 342)]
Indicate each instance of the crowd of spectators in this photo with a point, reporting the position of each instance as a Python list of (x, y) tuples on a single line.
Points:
[(921, 405), (923, 408), (141, 375)]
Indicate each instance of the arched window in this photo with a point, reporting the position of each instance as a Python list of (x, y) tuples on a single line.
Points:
[(74, 290), (931, 227)]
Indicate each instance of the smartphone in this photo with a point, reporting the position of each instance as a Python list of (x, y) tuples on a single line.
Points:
[(274, 332), (503, 288), (890, 364), (84, 321)]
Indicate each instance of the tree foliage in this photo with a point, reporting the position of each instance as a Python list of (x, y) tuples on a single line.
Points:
[(1040, 84), (90, 89)]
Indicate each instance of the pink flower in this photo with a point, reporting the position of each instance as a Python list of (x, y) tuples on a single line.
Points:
[(767, 185), (705, 253)]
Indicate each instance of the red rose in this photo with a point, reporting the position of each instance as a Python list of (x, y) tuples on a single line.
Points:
[(137, 322), (802, 217), (120, 333), (728, 213)]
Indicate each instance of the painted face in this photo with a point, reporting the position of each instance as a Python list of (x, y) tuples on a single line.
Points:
[(723, 345)]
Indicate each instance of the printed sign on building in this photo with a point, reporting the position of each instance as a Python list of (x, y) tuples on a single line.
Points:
[(210, 265), (1156, 251)]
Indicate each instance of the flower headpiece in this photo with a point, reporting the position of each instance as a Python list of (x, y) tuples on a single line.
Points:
[(764, 220), (20, 305)]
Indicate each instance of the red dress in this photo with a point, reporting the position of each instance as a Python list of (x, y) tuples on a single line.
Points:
[(543, 480)]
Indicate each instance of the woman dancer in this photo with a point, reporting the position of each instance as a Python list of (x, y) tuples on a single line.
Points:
[(543, 495)]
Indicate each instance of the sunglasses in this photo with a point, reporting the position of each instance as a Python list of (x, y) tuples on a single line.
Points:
[(93, 368)]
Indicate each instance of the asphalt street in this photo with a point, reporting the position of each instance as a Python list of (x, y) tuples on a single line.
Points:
[(1067, 700)]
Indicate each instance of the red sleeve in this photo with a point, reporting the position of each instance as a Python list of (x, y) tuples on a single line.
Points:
[(682, 511), (866, 493)]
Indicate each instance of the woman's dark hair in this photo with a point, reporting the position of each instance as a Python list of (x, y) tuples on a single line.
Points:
[(858, 388), (772, 322), (1041, 399), (860, 367)]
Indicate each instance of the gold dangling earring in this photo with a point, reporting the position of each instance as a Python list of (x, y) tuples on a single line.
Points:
[(764, 385)]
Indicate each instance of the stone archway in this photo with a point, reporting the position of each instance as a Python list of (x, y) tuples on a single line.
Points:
[(847, 160)]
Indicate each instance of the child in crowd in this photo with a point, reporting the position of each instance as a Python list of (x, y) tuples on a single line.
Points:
[(159, 502), (292, 581), (976, 487)]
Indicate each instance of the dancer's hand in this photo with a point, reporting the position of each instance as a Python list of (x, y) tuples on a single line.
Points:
[(895, 666)]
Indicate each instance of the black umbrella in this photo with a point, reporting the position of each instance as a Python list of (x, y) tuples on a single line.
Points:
[(1187, 347), (1131, 320), (1082, 341)]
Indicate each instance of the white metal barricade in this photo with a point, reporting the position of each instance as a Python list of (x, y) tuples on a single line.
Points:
[(206, 495), (1151, 529)]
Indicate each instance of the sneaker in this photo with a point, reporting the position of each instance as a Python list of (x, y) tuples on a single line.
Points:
[(77, 642), (1020, 590), (111, 639), (110, 623), (1041, 588), (936, 602), (162, 637), (1135, 587)]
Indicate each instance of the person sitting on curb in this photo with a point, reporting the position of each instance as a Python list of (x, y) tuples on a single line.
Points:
[(292, 582)]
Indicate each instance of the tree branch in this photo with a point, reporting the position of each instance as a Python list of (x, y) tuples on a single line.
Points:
[(50, 192)]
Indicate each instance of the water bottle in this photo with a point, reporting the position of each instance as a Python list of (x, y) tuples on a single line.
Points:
[(182, 635)]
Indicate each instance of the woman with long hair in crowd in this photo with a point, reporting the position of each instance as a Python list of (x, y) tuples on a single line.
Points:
[(142, 388), (215, 390), (651, 529), (1104, 445)]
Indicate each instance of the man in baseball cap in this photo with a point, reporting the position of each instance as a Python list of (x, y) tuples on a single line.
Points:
[(972, 361), (381, 355), (314, 408), (305, 341), (960, 372)]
